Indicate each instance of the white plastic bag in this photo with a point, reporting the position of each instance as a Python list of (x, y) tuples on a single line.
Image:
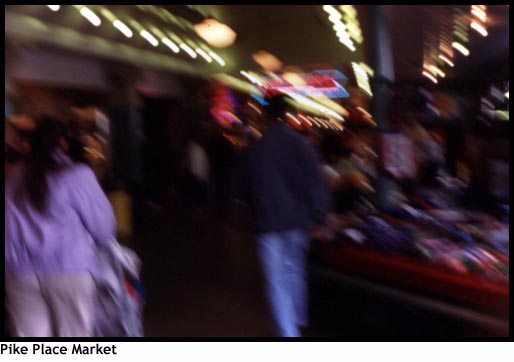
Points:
[(117, 312)]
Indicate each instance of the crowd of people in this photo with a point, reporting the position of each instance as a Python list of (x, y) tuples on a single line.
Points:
[(57, 212)]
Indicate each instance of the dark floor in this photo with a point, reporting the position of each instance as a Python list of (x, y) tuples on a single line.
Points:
[(202, 280)]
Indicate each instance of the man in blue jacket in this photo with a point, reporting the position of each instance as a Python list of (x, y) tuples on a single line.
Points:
[(289, 197)]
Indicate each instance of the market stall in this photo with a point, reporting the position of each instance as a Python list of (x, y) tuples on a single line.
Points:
[(443, 256)]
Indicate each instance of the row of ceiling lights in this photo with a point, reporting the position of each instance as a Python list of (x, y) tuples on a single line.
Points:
[(175, 45), (348, 31), (345, 24), (476, 21), (362, 73)]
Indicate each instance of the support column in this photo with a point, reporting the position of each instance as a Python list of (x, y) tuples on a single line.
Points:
[(126, 135), (126, 128), (381, 85)]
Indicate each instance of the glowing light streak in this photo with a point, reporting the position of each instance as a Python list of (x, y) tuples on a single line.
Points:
[(446, 60), (480, 14), (315, 105), (188, 50), (204, 55), (293, 118), (254, 107), (487, 103), (174, 48), (437, 71), (217, 58), (461, 48), (251, 78), (362, 79), (149, 37), (91, 16), (331, 10), (322, 122), (430, 76), (314, 121), (335, 17), (305, 119), (479, 28), (123, 28), (364, 112)]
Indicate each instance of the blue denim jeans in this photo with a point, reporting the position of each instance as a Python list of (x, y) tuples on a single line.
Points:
[(283, 257)]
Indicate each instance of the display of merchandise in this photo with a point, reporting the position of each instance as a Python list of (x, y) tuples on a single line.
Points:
[(387, 237), (458, 241)]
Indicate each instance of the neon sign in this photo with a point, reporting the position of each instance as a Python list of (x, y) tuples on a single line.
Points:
[(318, 83)]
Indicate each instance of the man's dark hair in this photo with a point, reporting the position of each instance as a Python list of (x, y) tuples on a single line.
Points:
[(277, 105)]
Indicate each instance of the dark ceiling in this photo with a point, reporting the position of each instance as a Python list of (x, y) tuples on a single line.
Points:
[(489, 56), (296, 34), (301, 35)]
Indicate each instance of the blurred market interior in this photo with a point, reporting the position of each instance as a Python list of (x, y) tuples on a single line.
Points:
[(408, 251)]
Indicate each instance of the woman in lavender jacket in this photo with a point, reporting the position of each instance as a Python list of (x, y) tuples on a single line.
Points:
[(56, 214)]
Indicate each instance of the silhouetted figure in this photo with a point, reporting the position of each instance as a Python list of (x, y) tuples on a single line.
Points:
[(288, 196), (55, 214)]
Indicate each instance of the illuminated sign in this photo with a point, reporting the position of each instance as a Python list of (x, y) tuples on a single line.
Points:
[(318, 83)]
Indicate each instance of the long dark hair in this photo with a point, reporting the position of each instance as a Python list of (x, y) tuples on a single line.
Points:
[(75, 145), (44, 141)]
